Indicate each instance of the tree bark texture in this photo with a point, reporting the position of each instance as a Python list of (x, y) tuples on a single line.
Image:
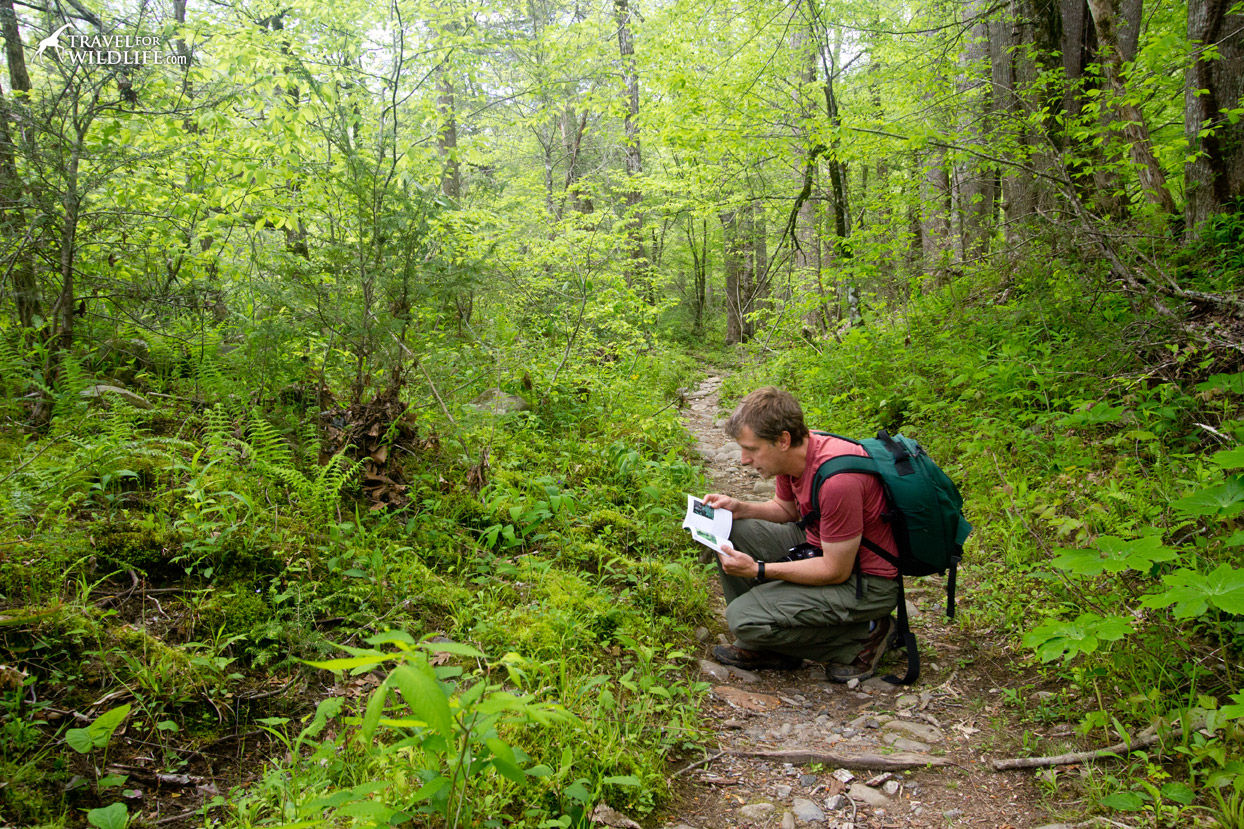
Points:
[(1214, 83), (17, 257), (974, 178), (634, 165), (1124, 114)]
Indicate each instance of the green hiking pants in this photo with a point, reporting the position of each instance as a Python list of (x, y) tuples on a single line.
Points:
[(824, 623)]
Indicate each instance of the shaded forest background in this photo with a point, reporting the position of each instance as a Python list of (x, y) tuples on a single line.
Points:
[(365, 323)]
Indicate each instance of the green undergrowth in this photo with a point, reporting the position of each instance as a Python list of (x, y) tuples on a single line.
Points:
[(508, 645), (1099, 457)]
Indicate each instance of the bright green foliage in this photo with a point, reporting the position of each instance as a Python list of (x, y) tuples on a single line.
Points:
[(1114, 555), (99, 732), (1084, 635), (1193, 593)]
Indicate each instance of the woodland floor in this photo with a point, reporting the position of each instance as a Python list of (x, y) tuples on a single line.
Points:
[(953, 713)]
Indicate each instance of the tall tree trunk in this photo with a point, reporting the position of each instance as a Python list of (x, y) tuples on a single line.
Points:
[(1215, 82), (733, 265), (447, 136), (573, 127), (17, 250), (935, 212), (634, 165), (1125, 114), (974, 179)]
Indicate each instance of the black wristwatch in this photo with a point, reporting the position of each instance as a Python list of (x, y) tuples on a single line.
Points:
[(760, 571)]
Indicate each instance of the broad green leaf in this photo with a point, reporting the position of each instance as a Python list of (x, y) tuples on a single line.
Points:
[(115, 816), (425, 696), (1178, 793), (98, 733), (624, 780), (79, 739), (1067, 640), (1192, 593), (391, 637), (1124, 801), (353, 662), (504, 761), (1114, 555), (1229, 458), (456, 648), (1233, 383), (375, 708), (1218, 501)]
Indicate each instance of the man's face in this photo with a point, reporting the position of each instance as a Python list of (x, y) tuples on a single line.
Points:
[(765, 456)]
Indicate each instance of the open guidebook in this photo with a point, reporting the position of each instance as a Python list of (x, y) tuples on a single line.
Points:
[(708, 525)]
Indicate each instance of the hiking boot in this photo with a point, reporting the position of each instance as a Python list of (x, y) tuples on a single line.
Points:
[(865, 665), (756, 660)]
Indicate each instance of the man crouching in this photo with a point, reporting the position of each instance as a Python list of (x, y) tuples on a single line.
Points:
[(797, 582)]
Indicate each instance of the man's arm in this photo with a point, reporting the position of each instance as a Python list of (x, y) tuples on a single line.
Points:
[(774, 510), (834, 567)]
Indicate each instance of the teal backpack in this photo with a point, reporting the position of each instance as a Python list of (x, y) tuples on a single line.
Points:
[(925, 511)]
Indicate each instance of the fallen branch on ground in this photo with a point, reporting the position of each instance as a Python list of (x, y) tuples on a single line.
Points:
[(883, 762), (1144, 739)]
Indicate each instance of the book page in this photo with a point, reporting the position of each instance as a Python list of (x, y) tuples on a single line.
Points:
[(708, 525)]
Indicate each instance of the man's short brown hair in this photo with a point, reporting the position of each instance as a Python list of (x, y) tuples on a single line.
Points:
[(769, 412)]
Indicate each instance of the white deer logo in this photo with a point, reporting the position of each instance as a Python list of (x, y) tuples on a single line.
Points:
[(52, 41)]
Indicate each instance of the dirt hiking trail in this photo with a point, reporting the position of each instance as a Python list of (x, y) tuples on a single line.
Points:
[(797, 750)]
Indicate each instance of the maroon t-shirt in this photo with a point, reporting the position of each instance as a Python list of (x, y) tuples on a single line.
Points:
[(851, 504)]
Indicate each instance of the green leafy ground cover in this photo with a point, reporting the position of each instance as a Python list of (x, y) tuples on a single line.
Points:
[(511, 647)]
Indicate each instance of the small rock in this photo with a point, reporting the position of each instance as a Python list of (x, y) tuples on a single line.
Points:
[(763, 487), (742, 675), (842, 775), (719, 422), (714, 671), (605, 814), (952, 814), (853, 684), (912, 610), (702, 634), (747, 700), (730, 446), (903, 744), (782, 791), (807, 781), (905, 701), (837, 803), (876, 683), (736, 456), (919, 731), (807, 811), (891, 787), (788, 821), (757, 811), (872, 797)]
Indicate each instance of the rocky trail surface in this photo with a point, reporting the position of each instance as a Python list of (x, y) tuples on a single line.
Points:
[(796, 750)]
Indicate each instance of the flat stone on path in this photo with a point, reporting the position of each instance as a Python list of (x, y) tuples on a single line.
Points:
[(901, 743), (756, 811), (806, 811), (872, 797), (919, 731), (712, 670), (747, 700)]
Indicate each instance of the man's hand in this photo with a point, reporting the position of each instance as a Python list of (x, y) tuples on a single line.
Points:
[(717, 500), (736, 563)]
